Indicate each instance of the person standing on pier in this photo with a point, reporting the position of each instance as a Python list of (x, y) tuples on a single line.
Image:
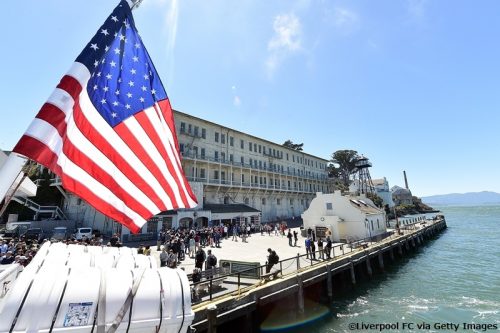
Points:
[(200, 258), (313, 249), (295, 237), (320, 249), (272, 259), (289, 235), (308, 247), (328, 247)]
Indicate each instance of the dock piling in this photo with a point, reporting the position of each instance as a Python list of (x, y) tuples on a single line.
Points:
[(212, 318)]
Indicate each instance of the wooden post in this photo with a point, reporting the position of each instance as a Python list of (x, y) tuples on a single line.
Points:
[(212, 318), (300, 295), (369, 266), (353, 274), (391, 253), (400, 249), (407, 244), (381, 260), (329, 284)]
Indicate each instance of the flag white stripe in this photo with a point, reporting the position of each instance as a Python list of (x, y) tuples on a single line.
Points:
[(154, 154), (46, 133), (168, 140), (84, 145), (74, 171), (62, 100)]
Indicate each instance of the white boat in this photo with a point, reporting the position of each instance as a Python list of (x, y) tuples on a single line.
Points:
[(75, 288)]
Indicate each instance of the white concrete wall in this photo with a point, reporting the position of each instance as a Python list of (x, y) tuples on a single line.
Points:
[(346, 220)]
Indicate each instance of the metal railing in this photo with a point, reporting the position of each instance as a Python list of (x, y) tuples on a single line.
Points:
[(289, 265)]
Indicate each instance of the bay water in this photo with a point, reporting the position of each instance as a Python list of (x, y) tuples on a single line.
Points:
[(450, 284)]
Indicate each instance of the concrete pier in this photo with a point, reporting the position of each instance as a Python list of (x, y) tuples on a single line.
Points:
[(235, 307)]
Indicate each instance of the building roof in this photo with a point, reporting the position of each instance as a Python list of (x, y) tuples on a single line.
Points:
[(233, 208)]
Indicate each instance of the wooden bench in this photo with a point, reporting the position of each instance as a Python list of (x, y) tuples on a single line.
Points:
[(271, 275), (208, 276)]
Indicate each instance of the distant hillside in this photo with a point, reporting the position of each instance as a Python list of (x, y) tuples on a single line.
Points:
[(471, 198)]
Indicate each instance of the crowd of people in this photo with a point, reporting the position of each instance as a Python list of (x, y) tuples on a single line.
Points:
[(17, 251)]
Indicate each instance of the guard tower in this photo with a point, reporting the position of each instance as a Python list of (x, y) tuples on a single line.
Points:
[(365, 181)]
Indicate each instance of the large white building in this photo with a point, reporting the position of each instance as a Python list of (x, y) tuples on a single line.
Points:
[(237, 178)]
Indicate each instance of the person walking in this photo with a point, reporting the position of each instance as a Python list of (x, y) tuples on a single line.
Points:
[(308, 247), (211, 263), (295, 237), (289, 236), (200, 258), (272, 259)]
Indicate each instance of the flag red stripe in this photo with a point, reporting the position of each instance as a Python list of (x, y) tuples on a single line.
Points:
[(82, 191), (38, 151), (143, 119), (168, 115), (71, 86), (124, 132), (107, 149), (94, 170), (54, 116)]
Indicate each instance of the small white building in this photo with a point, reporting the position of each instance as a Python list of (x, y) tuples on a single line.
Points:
[(382, 189), (345, 218)]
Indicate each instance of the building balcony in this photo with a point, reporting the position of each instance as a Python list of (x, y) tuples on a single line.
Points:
[(225, 162), (248, 185)]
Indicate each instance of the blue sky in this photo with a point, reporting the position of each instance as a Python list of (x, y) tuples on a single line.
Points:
[(413, 85)]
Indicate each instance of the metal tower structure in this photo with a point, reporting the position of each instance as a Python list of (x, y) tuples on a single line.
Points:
[(365, 180)]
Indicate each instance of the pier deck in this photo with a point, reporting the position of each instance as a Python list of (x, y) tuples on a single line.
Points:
[(243, 297)]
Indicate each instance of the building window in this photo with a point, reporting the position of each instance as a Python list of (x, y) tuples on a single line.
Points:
[(287, 156), (216, 155), (216, 136), (371, 223), (255, 147), (278, 201), (231, 141), (183, 127), (242, 159), (263, 200), (181, 147), (196, 131), (247, 201), (329, 206), (203, 133), (242, 144), (378, 224), (260, 149), (231, 158), (223, 175), (216, 174), (202, 173), (223, 157), (202, 153), (223, 138), (190, 128), (242, 178), (250, 146), (291, 200)]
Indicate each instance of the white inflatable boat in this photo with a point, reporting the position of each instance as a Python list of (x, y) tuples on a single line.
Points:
[(75, 288)]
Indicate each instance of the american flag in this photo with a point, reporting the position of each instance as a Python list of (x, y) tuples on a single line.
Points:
[(108, 129)]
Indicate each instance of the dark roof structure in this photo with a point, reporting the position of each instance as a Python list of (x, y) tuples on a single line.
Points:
[(233, 208)]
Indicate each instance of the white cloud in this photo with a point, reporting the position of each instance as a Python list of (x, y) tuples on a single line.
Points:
[(416, 8), (237, 101), (285, 40), (345, 18)]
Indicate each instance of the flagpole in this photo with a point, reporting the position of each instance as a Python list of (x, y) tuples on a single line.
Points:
[(9, 172)]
